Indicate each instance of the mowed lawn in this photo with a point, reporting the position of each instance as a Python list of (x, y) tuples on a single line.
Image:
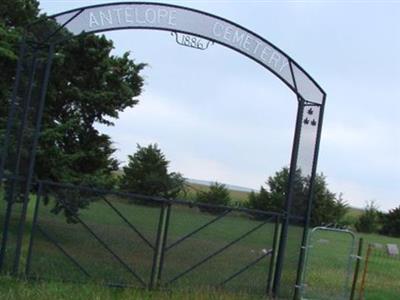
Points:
[(325, 277), (48, 261), (16, 289)]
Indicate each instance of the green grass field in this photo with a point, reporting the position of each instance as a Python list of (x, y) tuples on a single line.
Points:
[(237, 197), (325, 276), (15, 289), (49, 262)]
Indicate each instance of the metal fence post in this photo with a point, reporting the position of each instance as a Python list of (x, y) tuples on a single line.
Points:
[(356, 271), (288, 201), (12, 110), (32, 159), (19, 139), (271, 269), (158, 256), (364, 277), (310, 199), (164, 244), (34, 221)]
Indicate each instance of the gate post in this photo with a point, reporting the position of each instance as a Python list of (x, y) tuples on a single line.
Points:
[(288, 201), (33, 229), (310, 199), (159, 250), (32, 159), (271, 268), (11, 112), (9, 198)]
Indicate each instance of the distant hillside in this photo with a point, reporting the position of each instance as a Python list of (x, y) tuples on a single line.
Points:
[(238, 196), (228, 186)]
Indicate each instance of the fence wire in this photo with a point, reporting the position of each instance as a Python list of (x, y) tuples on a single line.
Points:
[(330, 264), (380, 278), (123, 239)]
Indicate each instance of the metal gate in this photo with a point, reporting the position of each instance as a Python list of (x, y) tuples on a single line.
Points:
[(123, 239), (330, 259)]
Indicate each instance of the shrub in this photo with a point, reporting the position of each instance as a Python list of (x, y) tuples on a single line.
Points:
[(368, 222), (391, 222), (217, 194), (147, 174)]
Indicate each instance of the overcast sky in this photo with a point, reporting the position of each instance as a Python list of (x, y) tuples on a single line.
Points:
[(219, 116)]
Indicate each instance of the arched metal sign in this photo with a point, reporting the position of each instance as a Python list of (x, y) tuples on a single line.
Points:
[(174, 19), (116, 16)]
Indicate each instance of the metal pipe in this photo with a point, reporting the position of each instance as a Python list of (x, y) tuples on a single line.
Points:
[(197, 230), (269, 252), (156, 254), (58, 246), (364, 277), (271, 268), (11, 112), (130, 225), (301, 263), (21, 224), (34, 221), (357, 269), (289, 200), (164, 243)]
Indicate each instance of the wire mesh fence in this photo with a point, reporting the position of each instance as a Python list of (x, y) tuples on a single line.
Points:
[(330, 264), (85, 234), (380, 278)]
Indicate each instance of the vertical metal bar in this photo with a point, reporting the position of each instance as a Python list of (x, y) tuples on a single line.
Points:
[(34, 221), (289, 200), (11, 192), (273, 255), (364, 277), (156, 255), (307, 249), (357, 269), (24, 118), (11, 112), (349, 263), (310, 196), (7, 217), (164, 244), (42, 98)]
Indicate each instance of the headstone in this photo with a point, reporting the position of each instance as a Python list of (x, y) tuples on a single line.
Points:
[(392, 249), (378, 246), (323, 241)]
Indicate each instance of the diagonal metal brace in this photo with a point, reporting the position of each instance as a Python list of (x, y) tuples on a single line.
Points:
[(268, 253), (58, 246), (218, 251), (198, 229), (104, 244), (128, 223)]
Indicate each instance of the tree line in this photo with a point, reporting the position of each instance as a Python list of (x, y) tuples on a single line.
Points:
[(372, 220), (147, 173)]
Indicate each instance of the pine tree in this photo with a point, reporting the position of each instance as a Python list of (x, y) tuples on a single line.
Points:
[(147, 174)]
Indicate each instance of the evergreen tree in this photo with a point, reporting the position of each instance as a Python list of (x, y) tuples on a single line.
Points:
[(88, 85), (147, 174), (368, 222), (217, 194), (327, 207), (391, 222)]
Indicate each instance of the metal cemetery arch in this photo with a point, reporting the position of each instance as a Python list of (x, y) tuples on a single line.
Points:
[(177, 19)]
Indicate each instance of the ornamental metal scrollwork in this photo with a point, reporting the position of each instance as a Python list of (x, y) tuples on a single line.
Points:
[(191, 41)]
